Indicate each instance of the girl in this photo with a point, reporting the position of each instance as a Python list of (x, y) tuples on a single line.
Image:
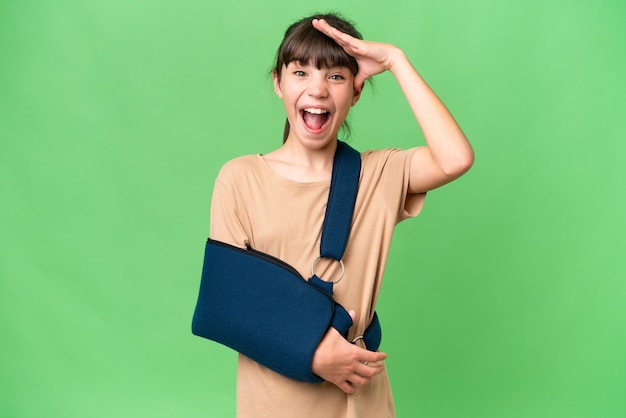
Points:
[(275, 203)]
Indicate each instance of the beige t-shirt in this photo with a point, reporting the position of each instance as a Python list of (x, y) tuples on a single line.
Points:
[(254, 205)]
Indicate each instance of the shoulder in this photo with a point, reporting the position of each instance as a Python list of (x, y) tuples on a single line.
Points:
[(238, 168), (381, 159)]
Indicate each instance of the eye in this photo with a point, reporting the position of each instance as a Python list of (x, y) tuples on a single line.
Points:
[(337, 77), (299, 73)]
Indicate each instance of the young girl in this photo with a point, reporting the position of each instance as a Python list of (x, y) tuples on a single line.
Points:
[(275, 203)]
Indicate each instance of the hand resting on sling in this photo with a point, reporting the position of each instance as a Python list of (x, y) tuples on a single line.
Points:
[(344, 364)]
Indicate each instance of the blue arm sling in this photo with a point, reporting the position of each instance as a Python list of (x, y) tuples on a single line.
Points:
[(263, 308)]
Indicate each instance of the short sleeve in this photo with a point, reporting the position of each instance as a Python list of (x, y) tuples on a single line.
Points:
[(225, 224), (388, 171)]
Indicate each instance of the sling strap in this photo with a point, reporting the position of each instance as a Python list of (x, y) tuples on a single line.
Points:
[(344, 186)]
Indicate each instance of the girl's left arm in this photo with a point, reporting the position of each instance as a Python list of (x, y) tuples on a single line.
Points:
[(448, 153)]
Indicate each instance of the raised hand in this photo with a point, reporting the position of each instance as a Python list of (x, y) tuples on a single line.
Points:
[(448, 153), (373, 57)]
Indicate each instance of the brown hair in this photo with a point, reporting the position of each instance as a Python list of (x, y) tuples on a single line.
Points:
[(303, 43)]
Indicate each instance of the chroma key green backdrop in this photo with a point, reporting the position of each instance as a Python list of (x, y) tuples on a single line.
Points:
[(504, 298)]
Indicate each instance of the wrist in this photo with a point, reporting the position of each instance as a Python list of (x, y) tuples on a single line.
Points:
[(397, 59)]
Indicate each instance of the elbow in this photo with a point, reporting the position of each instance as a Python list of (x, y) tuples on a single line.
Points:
[(459, 165), (467, 161)]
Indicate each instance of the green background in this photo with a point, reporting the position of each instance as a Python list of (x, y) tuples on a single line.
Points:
[(504, 298)]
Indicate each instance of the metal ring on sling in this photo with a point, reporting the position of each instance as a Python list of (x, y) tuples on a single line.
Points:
[(343, 270), (360, 337)]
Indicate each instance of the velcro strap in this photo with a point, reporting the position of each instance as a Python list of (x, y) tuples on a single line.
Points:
[(324, 286), (342, 321), (373, 334)]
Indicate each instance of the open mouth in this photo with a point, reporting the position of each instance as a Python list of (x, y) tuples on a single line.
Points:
[(314, 118)]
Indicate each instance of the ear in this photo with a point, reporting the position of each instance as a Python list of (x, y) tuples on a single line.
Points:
[(357, 94), (277, 90)]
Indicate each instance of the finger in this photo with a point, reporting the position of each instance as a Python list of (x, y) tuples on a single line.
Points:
[(365, 356), (338, 36), (371, 356), (368, 371), (352, 314), (326, 28), (347, 387), (357, 380)]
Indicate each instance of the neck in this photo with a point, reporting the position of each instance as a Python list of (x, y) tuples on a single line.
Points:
[(298, 162), (309, 155)]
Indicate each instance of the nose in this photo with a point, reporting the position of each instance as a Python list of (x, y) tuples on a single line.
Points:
[(317, 87)]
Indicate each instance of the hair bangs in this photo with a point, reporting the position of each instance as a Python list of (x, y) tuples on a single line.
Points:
[(305, 44), (315, 48)]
